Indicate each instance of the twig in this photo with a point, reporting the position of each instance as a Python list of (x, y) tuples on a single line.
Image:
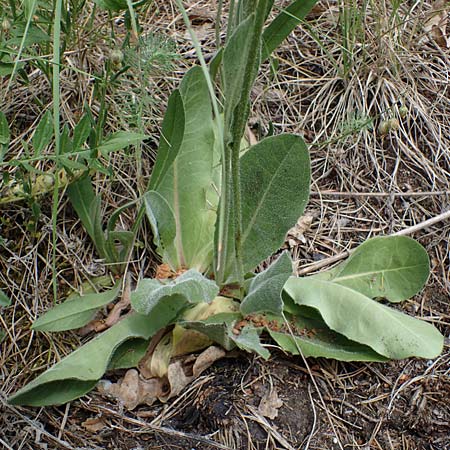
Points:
[(114, 315), (145, 427), (377, 194), (410, 230)]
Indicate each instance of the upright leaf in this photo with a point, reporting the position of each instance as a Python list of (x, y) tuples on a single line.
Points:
[(392, 267), (189, 185), (81, 132), (283, 25), (264, 294), (173, 128), (235, 57), (162, 221), (275, 177), (361, 319), (43, 134)]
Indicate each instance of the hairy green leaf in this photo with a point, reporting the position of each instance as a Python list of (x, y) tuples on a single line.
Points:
[(248, 339), (189, 185), (190, 287), (171, 138), (162, 221), (392, 267), (76, 312), (216, 328), (312, 337), (361, 319), (283, 25), (264, 294), (129, 354), (235, 58), (275, 177), (78, 373)]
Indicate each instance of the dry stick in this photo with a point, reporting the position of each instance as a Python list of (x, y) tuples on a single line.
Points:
[(377, 194), (410, 230)]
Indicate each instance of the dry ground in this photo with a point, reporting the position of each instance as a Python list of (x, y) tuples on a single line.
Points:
[(336, 93)]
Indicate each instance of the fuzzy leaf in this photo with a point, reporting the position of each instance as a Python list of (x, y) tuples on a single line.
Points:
[(76, 312), (189, 185), (235, 57), (129, 354), (361, 319), (264, 294), (216, 328), (190, 287), (78, 373), (314, 338), (392, 267), (171, 138), (248, 340), (275, 176), (162, 221)]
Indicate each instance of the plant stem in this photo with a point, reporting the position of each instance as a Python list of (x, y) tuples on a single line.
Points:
[(238, 128), (56, 119)]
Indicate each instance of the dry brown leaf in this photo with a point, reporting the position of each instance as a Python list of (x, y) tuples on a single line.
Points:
[(270, 404), (94, 424), (132, 390), (301, 227), (436, 25)]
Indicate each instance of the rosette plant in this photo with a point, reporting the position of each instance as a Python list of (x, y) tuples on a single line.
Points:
[(218, 208)]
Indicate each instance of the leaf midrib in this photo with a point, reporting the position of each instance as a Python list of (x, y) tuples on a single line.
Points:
[(373, 272)]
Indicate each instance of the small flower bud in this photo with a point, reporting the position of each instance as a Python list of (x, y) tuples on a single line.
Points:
[(403, 111), (394, 124), (116, 57), (6, 25)]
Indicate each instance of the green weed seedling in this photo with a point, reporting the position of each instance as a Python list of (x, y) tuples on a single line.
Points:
[(217, 211)]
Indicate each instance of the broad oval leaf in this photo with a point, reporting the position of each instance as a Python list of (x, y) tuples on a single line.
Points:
[(189, 185), (275, 178), (76, 312), (361, 319), (392, 267), (190, 287), (78, 373), (264, 294)]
